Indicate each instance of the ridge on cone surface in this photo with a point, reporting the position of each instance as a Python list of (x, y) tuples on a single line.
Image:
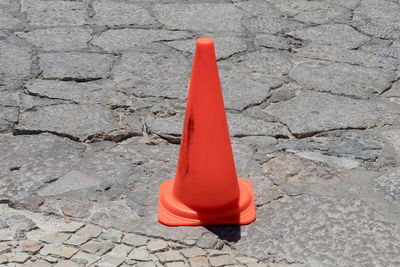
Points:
[(206, 189)]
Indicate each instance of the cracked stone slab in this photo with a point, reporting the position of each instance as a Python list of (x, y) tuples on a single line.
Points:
[(100, 92), (73, 180), (264, 190), (208, 17), (30, 102), (78, 122), (332, 34), (131, 163), (20, 222), (258, 8), (299, 175), (346, 3), (354, 57), (356, 145), (113, 214), (7, 20), (54, 13), (75, 65), (385, 29), (116, 40), (393, 137), (166, 74), (8, 117), (239, 125), (313, 12), (344, 79), (387, 52), (266, 61), (284, 93), (317, 230), (241, 90), (15, 63), (394, 91), (168, 129), (28, 162), (272, 41), (58, 38), (313, 112), (112, 13), (377, 10), (262, 24), (388, 185), (224, 46)]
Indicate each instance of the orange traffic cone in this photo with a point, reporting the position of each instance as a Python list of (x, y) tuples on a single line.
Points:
[(206, 189)]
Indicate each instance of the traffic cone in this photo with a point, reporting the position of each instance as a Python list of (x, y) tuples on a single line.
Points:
[(206, 190)]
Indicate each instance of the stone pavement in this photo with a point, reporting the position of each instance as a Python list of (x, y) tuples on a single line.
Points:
[(92, 100)]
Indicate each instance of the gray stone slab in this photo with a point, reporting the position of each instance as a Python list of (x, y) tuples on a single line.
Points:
[(29, 102), (166, 74), (103, 92), (55, 13), (266, 61), (239, 126), (8, 118), (112, 13), (208, 17), (272, 41), (58, 38), (343, 79), (394, 91), (79, 122), (313, 12), (73, 180), (15, 64), (115, 40), (388, 185), (28, 162), (385, 29), (284, 93), (352, 145), (258, 8), (314, 230), (313, 112), (20, 222), (7, 20), (340, 35), (387, 52), (377, 10), (354, 57), (168, 129), (75, 65), (224, 46), (346, 3), (241, 90), (262, 24)]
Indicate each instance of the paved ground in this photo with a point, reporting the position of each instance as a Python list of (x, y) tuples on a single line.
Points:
[(92, 98)]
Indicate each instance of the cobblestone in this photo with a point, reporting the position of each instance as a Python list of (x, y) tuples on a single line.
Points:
[(64, 251), (135, 240), (169, 256), (156, 245)]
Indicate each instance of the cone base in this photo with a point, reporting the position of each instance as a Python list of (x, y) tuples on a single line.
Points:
[(173, 212)]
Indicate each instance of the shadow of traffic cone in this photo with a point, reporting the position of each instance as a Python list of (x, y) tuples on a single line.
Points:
[(206, 190)]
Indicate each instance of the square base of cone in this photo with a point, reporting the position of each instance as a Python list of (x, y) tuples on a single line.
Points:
[(172, 212)]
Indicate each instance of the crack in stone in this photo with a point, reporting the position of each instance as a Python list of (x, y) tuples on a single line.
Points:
[(389, 87), (37, 132), (26, 90)]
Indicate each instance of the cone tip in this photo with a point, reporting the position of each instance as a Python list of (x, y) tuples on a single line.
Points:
[(205, 42)]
